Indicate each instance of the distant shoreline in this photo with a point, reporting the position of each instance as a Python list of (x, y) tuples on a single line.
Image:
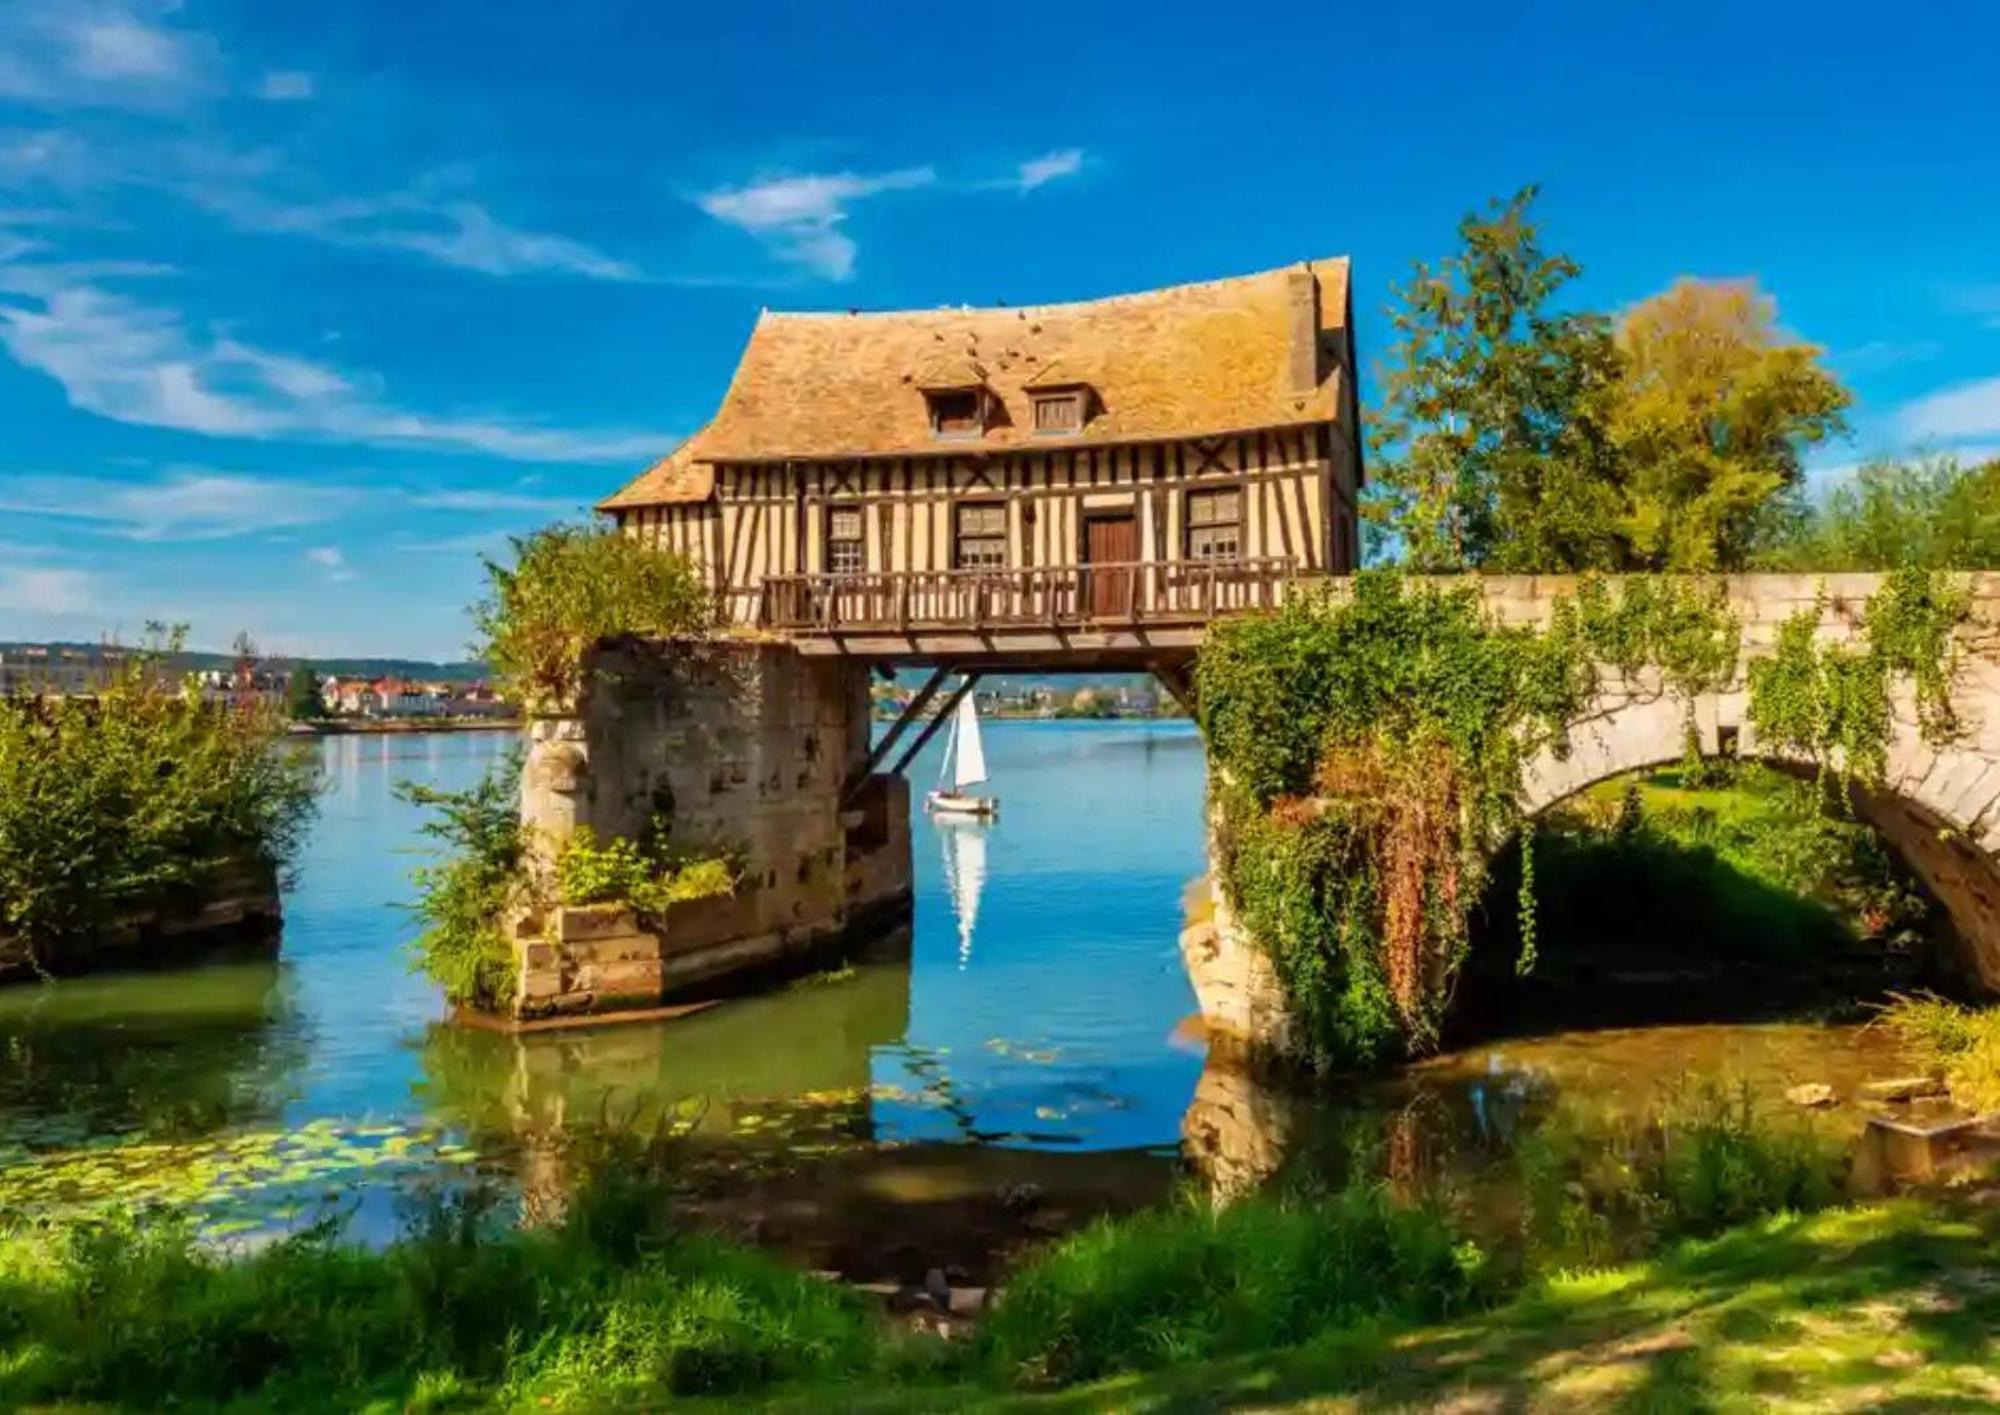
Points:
[(365, 727)]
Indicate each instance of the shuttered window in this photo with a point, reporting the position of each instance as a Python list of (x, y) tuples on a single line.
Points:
[(1215, 524), (981, 541), (846, 549), (1058, 412)]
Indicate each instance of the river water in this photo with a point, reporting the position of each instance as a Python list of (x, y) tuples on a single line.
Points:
[(1031, 1031)]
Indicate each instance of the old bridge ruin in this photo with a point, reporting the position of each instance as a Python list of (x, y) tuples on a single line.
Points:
[(1937, 807)]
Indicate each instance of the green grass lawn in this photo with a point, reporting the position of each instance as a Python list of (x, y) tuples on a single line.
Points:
[(1885, 1307)]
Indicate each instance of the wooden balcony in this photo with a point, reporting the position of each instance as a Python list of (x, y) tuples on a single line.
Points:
[(1103, 607)]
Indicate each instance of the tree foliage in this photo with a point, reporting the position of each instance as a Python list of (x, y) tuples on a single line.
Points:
[(302, 694), (1516, 436), (1934, 514), (1712, 410), (138, 798), (570, 586), (1488, 450), (464, 896)]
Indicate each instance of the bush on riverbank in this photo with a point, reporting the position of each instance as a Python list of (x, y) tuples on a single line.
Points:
[(1595, 1192), (142, 797), (607, 1306), (1961, 1044), (568, 587), (464, 897), (1193, 1282)]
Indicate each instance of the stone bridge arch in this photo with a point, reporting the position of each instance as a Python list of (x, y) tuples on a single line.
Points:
[(1938, 807)]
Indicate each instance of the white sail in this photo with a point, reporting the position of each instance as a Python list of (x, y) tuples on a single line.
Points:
[(965, 873), (950, 749), (971, 753)]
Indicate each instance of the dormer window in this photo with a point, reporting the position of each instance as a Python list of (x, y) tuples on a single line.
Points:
[(1059, 401), (1059, 412), (957, 412)]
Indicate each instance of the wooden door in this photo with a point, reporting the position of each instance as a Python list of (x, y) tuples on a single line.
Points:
[(1110, 540)]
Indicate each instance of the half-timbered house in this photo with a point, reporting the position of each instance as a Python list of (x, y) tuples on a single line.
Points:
[(1082, 483)]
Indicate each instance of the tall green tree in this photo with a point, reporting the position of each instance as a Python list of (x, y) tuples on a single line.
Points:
[(1933, 514), (302, 694), (1712, 412), (1490, 449)]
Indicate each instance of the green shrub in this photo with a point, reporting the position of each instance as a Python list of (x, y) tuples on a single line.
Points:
[(141, 797), (578, 1315), (645, 875), (1961, 1044), (1190, 1281), (570, 586), (465, 897), (1596, 1192)]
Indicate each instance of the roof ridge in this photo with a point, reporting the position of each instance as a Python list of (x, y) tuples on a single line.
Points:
[(1119, 297)]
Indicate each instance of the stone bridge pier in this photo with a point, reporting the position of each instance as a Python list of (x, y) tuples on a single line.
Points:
[(1937, 807), (740, 747)]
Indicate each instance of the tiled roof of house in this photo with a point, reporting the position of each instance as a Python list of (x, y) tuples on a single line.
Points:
[(676, 478), (1253, 351)]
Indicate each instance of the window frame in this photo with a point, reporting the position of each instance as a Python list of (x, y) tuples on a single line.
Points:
[(1196, 527), (1067, 398), (859, 540), (995, 541), (935, 398)]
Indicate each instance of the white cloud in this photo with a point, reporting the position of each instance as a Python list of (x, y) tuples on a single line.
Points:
[(799, 217), (494, 501), (188, 505), (1049, 167), (435, 217), (46, 591), (456, 232), (330, 559), (1955, 414), (285, 86), (140, 363), (101, 53)]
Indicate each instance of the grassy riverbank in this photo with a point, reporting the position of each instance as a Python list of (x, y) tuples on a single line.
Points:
[(1879, 1306), (1887, 1306), (615, 1304)]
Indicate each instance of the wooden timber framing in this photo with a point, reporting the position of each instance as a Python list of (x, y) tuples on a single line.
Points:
[(1211, 442)]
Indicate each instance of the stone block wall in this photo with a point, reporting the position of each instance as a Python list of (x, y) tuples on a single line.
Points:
[(744, 747)]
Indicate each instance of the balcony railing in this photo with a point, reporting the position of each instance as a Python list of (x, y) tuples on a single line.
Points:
[(1052, 596)]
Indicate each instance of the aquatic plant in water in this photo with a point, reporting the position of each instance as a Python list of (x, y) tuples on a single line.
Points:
[(222, 1184)]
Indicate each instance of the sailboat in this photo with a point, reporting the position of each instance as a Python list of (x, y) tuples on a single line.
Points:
[(964, 767)]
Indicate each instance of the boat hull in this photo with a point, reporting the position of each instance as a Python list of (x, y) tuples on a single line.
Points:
[(951, 803)]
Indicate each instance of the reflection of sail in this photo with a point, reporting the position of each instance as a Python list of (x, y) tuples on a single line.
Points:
[(971, 752), (965, 874)]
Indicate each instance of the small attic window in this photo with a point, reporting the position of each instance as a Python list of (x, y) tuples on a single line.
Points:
[(1059, 411), (957, 412)]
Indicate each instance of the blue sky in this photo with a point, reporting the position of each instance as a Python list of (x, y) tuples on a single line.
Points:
[(303, 306)]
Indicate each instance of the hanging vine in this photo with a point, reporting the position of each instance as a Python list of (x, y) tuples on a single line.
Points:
[(1369, 755), (1833, 704)]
